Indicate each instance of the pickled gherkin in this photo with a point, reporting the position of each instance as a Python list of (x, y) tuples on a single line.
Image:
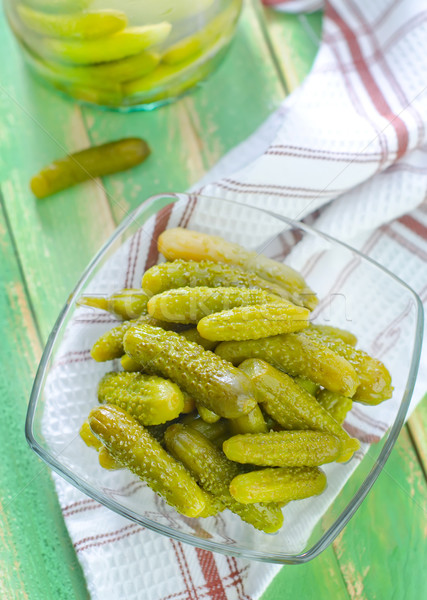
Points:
[(182, 273), (254, 322), (125, 304), (179, 243), (132, 446), (283, 448), (88, 164), (294, 408), (207, 415), (110, 345), (122, 44), (216, 432), (309, 386), (88, 437), (335, 332), (375, 380), (214, 472), (128, 364), (282, 485), (213, 382), (297, 355), (253, 422), (337, 405), (190, 304), (151, 400), (192, 335), (107, 461)]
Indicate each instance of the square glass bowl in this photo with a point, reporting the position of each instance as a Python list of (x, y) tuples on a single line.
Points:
[(354, 293)]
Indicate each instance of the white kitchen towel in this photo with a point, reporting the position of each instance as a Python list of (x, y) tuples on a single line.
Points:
[(347, 151)]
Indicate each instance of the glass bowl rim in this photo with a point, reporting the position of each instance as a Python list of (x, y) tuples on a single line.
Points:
[(275, 557)]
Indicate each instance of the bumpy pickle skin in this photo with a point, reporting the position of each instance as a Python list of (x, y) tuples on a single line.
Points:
[(335, 332), (375, 380), (297, 355), (294, 408), (281, 485), (283, 448), (213, 382), (110, 344), (192, 335), (122, 44), (151, 400), (179, 243), (337, 405), (88, 25), (254, 322), (206, 273), (214, 472), (253, 422), (191, 304), (125, 304), (88, 164), (132, 446)]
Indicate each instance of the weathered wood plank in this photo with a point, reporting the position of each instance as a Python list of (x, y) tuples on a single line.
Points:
[(56, 237), (381, 552), (36, 555), (417, 425)]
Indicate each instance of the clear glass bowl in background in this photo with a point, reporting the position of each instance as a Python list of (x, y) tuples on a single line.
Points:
[(123, 54), (354, 292)]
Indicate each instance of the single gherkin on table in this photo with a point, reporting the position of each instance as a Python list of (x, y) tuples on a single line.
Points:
[(89, 164), (204, 434)]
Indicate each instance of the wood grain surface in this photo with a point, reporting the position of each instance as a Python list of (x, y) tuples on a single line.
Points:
[(45, 245)]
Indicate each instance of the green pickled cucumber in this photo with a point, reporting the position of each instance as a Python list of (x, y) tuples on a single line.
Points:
[(151, 400), (110, 345), (121, 45), (88, 164), (191, 304), (297, 355), (181, 273), (192, 335), (254, 322), (280, 485), (107, 461), (207, 415), (125, 304), (132, 446), (213, 382), (337, 405), (214, 472), (253, 422), (375, 380), (88, 437), (292, 407), (87, 25), (179, 243), (309, 386), (130, 365), (127, 42), (335, 332), (216, 432), (283, 448), (200, 41)]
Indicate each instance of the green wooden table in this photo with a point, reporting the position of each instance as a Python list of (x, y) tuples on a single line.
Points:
[(44, 247)]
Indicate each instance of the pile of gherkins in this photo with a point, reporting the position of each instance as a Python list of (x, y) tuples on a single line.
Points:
[(229, 397)]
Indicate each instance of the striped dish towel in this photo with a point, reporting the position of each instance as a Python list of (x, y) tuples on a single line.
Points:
[(346, 152)]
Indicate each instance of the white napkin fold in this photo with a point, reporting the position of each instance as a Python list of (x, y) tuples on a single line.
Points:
[(347, 151)]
